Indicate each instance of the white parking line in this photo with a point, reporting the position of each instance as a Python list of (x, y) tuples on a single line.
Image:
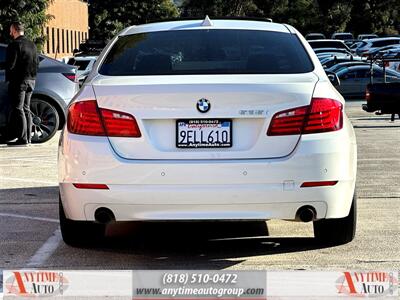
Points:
[(47, 249), (28, 217)]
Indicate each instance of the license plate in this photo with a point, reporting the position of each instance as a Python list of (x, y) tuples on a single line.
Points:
[(204, 133)]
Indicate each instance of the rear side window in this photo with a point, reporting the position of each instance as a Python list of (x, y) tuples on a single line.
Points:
[(215, 51)]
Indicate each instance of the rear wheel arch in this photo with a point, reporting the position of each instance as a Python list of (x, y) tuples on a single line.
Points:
[(60, 110)]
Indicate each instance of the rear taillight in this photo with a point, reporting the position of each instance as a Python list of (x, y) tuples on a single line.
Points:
[(322, 115), (70, 76), (87, 118), (84, 118), (119, 124), (367, 95)]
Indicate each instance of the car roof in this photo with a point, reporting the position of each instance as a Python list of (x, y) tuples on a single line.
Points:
[(327, 40), (383, 38), (348, 58), (84, 57), (331, 48), (366, 66), (206, 24)]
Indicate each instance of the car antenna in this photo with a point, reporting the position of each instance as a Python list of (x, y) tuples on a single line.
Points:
[(207, 22)]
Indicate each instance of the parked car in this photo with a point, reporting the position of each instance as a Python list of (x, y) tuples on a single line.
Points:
[(332, 51), (366, 36), (315, 36), (383, 98), (371, 44), (342, 36), (380, 51), (333, 61), (165, 130), (354, 80), (55, 86), (328, 44), (350, 63), (350, 43), (84, 64)]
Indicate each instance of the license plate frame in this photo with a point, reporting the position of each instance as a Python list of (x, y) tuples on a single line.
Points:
[(202, 141)]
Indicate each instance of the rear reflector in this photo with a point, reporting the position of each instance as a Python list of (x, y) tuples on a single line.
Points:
[(86, 118), (322, 115), (92, 186), (318, 183)]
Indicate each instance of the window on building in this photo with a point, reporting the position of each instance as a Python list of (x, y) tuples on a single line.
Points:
[(67, 40), (63, 40), (72, 40), (58, 41), (53, 48), (76, 40), (47, 40)]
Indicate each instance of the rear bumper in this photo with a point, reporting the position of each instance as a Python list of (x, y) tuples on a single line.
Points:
[(256, 189)]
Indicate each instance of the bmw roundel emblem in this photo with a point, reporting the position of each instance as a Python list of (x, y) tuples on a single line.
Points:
[(203, 105)]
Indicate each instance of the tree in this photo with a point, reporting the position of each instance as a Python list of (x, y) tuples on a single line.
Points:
[(31, 13), (219, 8), (107, 18)]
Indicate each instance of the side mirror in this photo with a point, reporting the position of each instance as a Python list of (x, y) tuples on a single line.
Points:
[(333, 78)]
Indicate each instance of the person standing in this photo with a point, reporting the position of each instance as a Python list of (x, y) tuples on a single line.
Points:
[(21, 68)]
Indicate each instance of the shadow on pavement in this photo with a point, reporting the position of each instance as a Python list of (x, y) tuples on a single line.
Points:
[(204, 244), (167, 245)]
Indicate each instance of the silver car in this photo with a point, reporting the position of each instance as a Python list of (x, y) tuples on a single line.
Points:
[(56, 84), (354, 80), (371, 44)]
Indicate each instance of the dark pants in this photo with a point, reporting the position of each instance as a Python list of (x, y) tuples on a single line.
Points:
[(20, 122)]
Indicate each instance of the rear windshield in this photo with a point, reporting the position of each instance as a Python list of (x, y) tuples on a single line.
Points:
[(214, 51)]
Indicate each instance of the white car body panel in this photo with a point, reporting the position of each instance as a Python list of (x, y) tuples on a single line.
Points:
[(158, 101)]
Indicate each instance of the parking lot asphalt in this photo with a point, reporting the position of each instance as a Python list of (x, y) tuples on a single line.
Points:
[(30, 236)]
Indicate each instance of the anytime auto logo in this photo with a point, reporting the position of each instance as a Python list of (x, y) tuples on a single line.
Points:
[(35, 283), (367, 284)]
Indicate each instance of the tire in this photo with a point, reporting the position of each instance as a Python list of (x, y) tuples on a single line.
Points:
[(45, 120), (80, 233), (337, 231)]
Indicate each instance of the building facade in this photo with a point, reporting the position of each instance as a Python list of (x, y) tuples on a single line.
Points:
[(68, 27)]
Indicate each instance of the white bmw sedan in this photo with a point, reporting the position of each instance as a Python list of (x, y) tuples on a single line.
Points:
[(207, 120)]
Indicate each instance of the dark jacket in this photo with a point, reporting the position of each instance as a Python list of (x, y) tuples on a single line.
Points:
[(21, 60)]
